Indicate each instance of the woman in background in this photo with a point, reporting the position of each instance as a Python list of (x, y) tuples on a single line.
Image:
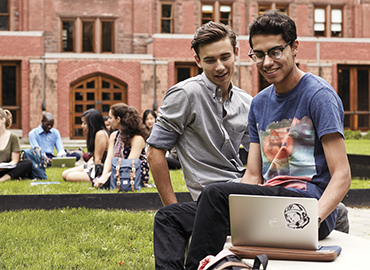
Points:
[(97, 142), (127, 142), (10, 165), (149, 118)]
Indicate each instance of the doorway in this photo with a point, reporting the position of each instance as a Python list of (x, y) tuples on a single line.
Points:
[(98, 91)]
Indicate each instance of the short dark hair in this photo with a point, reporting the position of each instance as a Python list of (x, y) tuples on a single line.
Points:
[(273, 23), (212, 32)]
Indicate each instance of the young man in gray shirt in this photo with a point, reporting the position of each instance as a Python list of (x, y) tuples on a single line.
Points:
[(206, 119)]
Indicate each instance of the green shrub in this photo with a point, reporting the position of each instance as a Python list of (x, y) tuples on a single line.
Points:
[(352, 135), (366, 136)]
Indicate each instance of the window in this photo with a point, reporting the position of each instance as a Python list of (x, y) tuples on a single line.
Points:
[(67, 36), (166, 18), (225, 15), (217, 12), (185, 71), (107, 36), (4, 15), (336, 22), (263, 8), (207, 13), (88, 36), (354, 90), (280, 8), (319, 18), (10, 91), (325, 26)]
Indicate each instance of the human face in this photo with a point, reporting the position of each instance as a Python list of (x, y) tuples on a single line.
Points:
[(47, 125), (218, 62), (283, 72), (84, 124), (149, 121), (114, 122)]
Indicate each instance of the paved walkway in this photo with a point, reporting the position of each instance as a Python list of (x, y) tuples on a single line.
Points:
[(359, 221)]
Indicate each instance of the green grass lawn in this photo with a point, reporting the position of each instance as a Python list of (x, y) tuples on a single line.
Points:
[(88, 239)]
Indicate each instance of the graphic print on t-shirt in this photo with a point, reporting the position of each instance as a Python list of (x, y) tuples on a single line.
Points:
[(288, 150)]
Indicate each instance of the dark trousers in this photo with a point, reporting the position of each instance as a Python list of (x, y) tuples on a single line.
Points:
[(207, 221), (22, 169)]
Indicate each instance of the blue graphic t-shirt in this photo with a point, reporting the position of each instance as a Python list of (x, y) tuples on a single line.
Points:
[(289, 127)]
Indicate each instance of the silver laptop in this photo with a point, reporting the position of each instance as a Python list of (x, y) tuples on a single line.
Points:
[(63, 162), (283, 222)]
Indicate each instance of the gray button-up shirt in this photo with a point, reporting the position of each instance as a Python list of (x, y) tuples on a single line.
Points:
[(191, 119)]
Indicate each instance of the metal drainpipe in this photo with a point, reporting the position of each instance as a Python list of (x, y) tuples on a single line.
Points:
[(154, 85), (43, 84)]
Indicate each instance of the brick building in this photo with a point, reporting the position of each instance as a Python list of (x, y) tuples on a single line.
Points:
[(65, 56)]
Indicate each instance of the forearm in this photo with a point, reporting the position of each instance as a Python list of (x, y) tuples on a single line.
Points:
[(334, 193), (161, 175)]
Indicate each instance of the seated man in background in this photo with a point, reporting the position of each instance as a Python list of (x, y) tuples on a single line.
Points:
[(46, 137)]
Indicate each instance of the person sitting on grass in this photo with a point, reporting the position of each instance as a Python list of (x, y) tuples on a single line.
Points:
[(46, 137), (128, 141), (97, 141), (11, 167)]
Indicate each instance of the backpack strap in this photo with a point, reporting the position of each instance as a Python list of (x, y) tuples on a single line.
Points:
[(117, 174), (132, 174)]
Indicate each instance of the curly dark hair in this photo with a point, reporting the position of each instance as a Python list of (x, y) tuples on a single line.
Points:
[(131, 124)]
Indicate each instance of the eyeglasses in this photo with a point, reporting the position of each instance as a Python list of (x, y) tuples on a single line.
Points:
[(274, 53)]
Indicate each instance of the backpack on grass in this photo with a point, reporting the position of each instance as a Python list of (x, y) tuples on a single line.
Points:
[(38, 165)]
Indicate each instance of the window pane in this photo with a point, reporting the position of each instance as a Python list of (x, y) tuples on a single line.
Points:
[(67, 36), (88, 37), (4, 6), (90, 96), (319, 27), (363, 96), (343, 92), (9, 85), (207, 8), (4, 23), (225, 15), (105, 85), (107, 37), (282, 9), (79, 108), (90, 85), (105, 108), (166, 11), (78, 132), (78, 120), (166, 26), (105, 96), (117, 96), (336, 16), (90, 106), (79, 96), (183, 74), (320, 15)]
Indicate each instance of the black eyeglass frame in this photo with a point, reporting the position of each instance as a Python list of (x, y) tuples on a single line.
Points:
[(250, 54)]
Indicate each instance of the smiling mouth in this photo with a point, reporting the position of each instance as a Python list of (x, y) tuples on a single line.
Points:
[(221, 76), (271, 71)]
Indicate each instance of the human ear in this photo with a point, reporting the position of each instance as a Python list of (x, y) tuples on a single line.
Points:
[(197, 60)]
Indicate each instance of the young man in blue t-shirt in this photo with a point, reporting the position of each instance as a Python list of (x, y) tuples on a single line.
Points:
[(297, 143)]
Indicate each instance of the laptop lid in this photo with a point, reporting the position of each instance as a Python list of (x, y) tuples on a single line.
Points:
[(63, 162), (283, 222)]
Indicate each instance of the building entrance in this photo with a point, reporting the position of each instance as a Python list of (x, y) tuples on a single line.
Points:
[(98, 91)]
